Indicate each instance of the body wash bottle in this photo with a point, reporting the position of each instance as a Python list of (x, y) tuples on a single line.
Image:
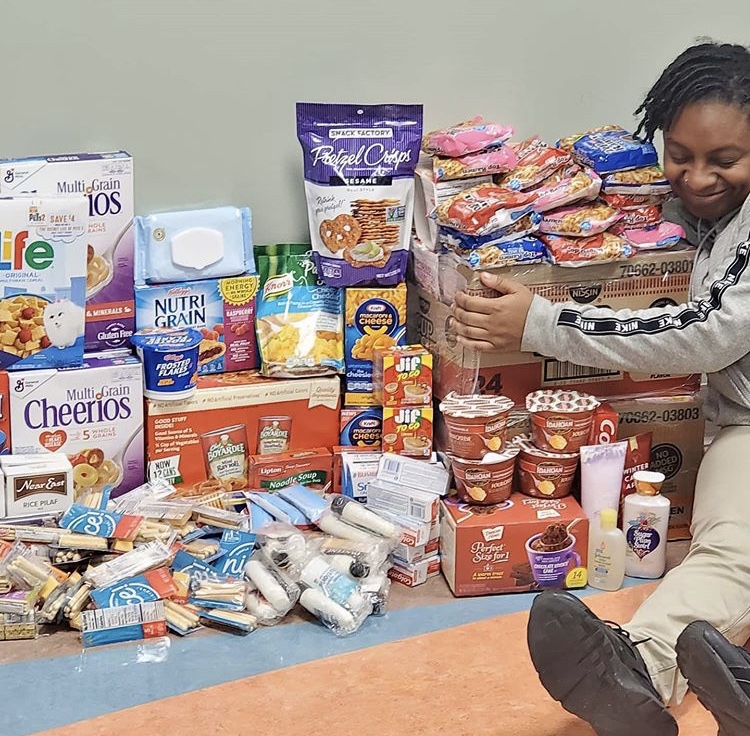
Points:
[(607, 547), (645, 520)]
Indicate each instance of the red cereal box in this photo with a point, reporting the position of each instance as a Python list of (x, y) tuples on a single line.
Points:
[(402, 376), (408, 430)]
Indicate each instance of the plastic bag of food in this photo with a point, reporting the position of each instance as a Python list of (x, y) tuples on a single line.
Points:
[(633, 201), (640, 181), (641, 217), (359, 185), (299, 320), (603, 248), (495, 161), (484, 209), (614, 150), (522, 251), (580, 220), (567, 143), (536, 161), (655, 237), (454, 239), (566, 187), (469, 136)]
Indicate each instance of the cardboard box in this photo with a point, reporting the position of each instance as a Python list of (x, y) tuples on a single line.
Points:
[(488, 550), (375, 317), (412, 574), (516, 374), (408, 431), (677, 426), (5, 438), (402, 376), (351, 475), (177, 431), (38, 486), (93, 414), (222, 309), (106, 180), (361, 427), (402, 501)]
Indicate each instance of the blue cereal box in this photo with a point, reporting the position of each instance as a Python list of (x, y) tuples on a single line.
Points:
[(43, 245), (223, 310)]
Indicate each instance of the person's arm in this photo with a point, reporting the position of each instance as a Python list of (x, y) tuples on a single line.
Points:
[(704, 335)]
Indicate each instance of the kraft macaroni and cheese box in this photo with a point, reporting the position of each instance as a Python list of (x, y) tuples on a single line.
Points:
[(93, 414), (106, 181), (375, 318), (222, 309), (361, 426), (42, 281)]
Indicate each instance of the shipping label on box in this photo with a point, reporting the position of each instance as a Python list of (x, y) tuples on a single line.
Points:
[(222, 309), (520, 545), (677, 426), (204, 443), (92, 414), (106, 180)]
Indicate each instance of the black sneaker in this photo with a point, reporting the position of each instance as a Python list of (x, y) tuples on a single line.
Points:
[(593, 669), (719, 674)]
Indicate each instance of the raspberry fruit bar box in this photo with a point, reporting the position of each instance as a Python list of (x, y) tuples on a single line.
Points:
[(93, 414), (204, 443)]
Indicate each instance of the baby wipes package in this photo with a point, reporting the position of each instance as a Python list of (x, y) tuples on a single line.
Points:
[(106, 181), (43, 244), (222, 309), (193, 244), (93, 414)]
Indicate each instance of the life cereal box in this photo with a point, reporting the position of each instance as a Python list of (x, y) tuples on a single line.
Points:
[(42, 281)]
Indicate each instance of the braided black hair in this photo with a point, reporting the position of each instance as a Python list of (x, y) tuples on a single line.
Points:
[(704, 72)]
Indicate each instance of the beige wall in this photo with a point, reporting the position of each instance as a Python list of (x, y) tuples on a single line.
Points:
[(202, 92)]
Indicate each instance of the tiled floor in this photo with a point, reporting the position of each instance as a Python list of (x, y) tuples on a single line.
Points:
[(433, 665)]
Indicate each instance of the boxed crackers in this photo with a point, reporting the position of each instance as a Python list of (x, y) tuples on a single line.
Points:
[(521, 545)]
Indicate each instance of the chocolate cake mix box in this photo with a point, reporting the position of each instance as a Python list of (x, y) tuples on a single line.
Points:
[(521, 545)]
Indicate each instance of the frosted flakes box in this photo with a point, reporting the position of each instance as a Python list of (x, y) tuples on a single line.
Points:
[(92, 414), (222, 309), (42, 281), (106, 182)]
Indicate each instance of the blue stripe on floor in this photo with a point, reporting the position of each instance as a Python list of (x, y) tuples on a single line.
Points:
[(100, 681)]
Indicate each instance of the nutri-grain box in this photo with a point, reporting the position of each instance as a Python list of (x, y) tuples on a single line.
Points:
[(93, 414), (106, 181), (222, 309)]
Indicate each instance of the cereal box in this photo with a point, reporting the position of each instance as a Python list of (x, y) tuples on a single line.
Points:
[(408, 431), (520, 545), (93, 414), (375, 318), (361, 426), (42, 281), (402, 376), (106, 180), (222, 309), (4, 414), (204, 443)]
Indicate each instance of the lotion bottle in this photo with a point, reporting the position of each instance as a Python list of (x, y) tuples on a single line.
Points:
[(607, 548)]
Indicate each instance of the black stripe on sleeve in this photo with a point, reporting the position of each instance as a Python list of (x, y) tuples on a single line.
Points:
[(654, 325)]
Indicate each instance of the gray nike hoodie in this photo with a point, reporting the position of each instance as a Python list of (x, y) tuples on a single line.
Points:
[(709, 334)]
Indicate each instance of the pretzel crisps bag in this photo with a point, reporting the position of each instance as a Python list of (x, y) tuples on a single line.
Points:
[(359, 184), (580, 221), (603, 248), (299, 320), (470, 136), (536, 161), (565, 187), (485, 208)]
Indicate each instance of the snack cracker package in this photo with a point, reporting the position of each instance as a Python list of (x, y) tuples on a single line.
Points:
[(299, 320), (359, 184), (495, 161), (655, 237), (603, 248), (523, 251), (471, 136), (566, 186), (614, 150), (580, 220), (536, 161), (648, 180)]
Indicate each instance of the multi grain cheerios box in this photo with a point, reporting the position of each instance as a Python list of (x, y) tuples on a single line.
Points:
[(222, 309), (42, 281), (106, 181), (93, 414)]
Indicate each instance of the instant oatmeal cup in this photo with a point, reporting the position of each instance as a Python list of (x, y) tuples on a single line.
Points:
[(560, 420), (488, 481), (544, 474), (476, 424)]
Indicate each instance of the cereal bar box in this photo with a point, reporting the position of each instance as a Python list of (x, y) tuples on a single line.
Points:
[(359, 184), (222, 309), (93, 414), (42, 281), (106, 181)]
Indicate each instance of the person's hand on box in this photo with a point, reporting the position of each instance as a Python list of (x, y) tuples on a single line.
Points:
[(495, 323)]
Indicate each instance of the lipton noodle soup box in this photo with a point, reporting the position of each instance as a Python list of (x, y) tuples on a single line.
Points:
[(203, 444), (42, 281), (92, 414), (520, 545)]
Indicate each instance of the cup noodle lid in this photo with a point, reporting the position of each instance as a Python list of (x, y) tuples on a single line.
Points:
[(559, 401), (525, 445), (474, 405)]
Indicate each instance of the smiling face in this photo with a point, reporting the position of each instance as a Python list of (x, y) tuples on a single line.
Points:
[(707, 158)]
